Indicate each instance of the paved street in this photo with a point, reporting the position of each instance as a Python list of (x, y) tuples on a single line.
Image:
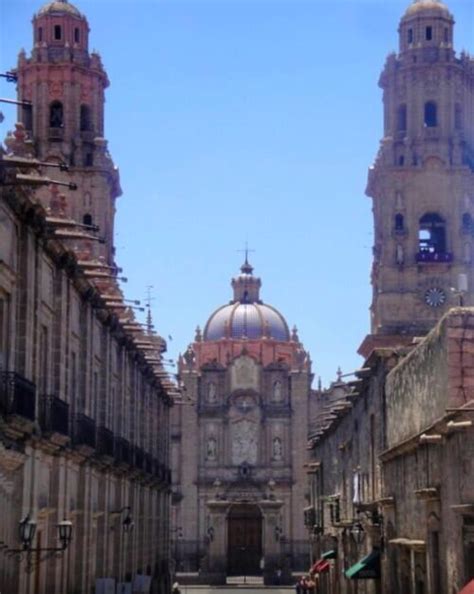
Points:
[(248, 589)]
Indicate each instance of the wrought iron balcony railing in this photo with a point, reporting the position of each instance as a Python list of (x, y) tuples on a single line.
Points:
[(123, 451), (84, 431), (105, 442), (17, 395), (139, 459), (431, 257), (54, 414)]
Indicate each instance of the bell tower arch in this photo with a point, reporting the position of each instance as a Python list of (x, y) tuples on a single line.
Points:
[(422, 181), (65, 84)]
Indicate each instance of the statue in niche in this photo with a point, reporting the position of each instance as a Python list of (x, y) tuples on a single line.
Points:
[(277, 392), (400, 255), (211, 450), (277, 452), (211, 392)]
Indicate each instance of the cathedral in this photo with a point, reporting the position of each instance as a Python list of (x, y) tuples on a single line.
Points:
[(238, 442)]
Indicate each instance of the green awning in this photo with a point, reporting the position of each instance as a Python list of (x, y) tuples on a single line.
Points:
[(367, 568), (332, 554)]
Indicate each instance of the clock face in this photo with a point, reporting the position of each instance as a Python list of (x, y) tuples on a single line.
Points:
[(435, 297)]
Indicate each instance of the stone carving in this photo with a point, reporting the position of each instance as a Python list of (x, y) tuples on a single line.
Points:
[(244, 373), (211, 392), (244, 442), (277, 392), (277, 450), (211, 450)]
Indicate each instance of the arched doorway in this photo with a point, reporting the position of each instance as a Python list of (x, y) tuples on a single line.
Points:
[(244, 529)]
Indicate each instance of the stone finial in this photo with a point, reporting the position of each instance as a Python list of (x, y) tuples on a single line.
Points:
[(189, 356), (339, 374), (198, 335), (18, 142), (294, 334)]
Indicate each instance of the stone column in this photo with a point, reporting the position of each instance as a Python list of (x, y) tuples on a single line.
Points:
[(271, 510), (217, 535)]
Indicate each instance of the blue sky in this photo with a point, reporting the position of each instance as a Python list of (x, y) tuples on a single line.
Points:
[(243, 120)]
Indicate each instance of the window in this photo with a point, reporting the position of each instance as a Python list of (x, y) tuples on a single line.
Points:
[(429, 33), (458, 117), (410, 36), (431, 114), (57, 32), (87, 219), (402, 118), (446, 34), (39, 35), (399, 223), (432, 234), (89, 160), (28, 117), (401, 160), (85, 118), (56, 115), (77, 36)]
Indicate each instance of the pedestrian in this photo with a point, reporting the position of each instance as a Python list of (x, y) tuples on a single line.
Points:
[(175, 589)]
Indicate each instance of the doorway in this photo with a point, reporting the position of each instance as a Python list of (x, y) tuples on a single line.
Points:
[(244, 524)]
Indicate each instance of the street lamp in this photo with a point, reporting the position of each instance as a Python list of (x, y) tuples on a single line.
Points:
[(358, 533), (27, 531)]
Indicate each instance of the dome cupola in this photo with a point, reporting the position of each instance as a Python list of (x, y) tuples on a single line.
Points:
[(426, 27), (246, 316)]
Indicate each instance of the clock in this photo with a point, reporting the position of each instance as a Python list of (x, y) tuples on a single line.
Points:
[(435, 297)]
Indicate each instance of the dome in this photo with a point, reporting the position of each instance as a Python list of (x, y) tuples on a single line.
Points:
[(419, 6), (246, 316), (59, 6)]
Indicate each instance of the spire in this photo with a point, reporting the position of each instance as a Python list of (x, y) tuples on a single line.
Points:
[(246, 286)]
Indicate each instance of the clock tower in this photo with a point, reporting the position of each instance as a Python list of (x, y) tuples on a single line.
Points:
[(422, 182)]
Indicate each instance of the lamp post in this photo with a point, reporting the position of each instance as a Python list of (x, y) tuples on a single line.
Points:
[(127, 526), (27, 532)]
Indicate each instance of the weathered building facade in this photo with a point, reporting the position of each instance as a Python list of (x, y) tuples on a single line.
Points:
[(84, 399), (238, 480), (391, 471)]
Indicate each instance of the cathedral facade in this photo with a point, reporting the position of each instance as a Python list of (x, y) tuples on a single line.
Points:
[(237, 443)]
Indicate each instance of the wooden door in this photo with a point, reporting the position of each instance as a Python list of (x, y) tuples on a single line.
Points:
[(245, 540)]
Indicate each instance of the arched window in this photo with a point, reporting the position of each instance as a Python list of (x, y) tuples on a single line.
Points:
[(466, 222), (401, 160), (399, 223), (458, 117), (432, 234), (87, 219), (402, 118), (85, 118), (39, 36), (28, 117), (429, 33), (76, 35), (56, 115), (431, 114), (57, 32), (410, 36)]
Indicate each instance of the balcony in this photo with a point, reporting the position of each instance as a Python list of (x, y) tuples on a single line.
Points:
[(56, 134), (105, 443), (148, 464), (54, 415), (139, 459), (123, 452), (17, 396), (84, 432), (434, 257)]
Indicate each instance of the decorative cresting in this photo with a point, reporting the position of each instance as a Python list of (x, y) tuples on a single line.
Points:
[(246, 317)]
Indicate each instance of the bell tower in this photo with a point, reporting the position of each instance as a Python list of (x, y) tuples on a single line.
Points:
[(422, 182), (65, 85)]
